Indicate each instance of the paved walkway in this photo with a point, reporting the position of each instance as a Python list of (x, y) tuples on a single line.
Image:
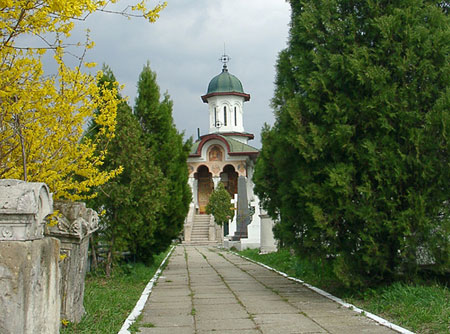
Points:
[(207, 290)]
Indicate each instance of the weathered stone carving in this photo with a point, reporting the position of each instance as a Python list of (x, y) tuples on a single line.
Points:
[(29, 273), (75, 223), (74, 220), (23, 207)]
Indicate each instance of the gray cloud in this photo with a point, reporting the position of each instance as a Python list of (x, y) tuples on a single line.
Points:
[(184, 46)]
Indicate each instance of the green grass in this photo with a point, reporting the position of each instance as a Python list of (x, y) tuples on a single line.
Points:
[(422, 307), (108, 302)]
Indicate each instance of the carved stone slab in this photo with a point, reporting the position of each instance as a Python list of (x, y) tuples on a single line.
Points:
[(23, 208), (74, 220)]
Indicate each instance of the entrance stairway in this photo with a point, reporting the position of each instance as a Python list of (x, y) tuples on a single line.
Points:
[(200, 230)]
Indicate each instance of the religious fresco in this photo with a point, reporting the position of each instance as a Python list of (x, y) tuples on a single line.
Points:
[(215, 154), (205, 187)]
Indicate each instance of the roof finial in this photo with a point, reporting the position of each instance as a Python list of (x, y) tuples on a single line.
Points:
[(224, 59)]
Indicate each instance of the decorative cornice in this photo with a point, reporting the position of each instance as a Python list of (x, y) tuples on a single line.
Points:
[(238, 134), (207, 96), (74, 220), (23, 208), (206, 138)]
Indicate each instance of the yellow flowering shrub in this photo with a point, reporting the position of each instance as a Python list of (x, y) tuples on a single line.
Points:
[(41, 116)]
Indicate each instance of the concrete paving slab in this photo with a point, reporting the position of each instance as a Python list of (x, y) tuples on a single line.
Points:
[(276, 307), (220, 308), (160, 298), (289, 323), (217, 292), (231, 331), (212, 314), (166, 312), (169, 321), (213, 325), (171, 292), (164, 305), (217, 301), (167, 330)]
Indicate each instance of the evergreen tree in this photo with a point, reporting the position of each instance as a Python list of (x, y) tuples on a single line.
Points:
[(361, 142), (131, 201), (170, 154)]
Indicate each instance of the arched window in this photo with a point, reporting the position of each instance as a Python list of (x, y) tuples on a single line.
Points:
[(235, 116), (225, 115), (215, 116)]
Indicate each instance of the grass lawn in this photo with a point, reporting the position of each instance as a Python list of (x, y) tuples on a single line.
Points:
[(423, 308), (108, 302)]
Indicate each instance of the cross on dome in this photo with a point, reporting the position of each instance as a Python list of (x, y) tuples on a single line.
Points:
[(225, 59)]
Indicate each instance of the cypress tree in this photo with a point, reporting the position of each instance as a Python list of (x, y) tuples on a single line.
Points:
[(170, 154), (361, 143)]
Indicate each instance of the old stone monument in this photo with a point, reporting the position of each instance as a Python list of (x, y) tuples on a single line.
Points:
[(29, 274), (244, 214), (268, 242), (75, 223)]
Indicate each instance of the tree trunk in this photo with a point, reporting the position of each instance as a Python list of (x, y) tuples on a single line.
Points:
[(109, 258), (94, 260)]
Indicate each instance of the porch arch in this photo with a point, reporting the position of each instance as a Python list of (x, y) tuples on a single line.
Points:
[(205, 187), (229, 178)]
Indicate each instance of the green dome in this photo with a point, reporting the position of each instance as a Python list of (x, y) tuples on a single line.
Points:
[(225, 83)]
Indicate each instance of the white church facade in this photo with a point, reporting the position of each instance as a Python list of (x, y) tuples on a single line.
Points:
[(224, 155)]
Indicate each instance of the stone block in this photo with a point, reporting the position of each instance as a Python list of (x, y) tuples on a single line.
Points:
[(268, 242), (29, 286), (75, 223), (23, 208)]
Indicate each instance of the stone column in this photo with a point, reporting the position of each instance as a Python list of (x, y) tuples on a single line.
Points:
[(75, 223), (29, 272), (216, 180), (212, 229), (268, 242), (233, 222), (195, 194)]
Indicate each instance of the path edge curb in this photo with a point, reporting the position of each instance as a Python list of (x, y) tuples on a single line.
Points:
[(372, 316), (144, 296)]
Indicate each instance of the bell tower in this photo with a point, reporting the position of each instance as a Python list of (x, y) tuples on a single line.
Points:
[(225, 98)]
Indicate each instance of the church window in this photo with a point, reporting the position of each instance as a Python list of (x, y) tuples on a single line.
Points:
[(225, 115), (215, 116), (235, 116)]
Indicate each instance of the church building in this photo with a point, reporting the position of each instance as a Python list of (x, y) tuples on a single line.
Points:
[(223, 155)]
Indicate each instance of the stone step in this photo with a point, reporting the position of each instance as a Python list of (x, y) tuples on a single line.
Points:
[(200, 243), (200, 233), (202, 218)]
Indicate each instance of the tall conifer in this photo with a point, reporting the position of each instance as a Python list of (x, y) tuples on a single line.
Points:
[(162, 137), (361, 141), (131, 201)]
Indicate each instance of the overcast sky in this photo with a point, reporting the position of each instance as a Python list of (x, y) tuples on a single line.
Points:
[(184, 46)]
